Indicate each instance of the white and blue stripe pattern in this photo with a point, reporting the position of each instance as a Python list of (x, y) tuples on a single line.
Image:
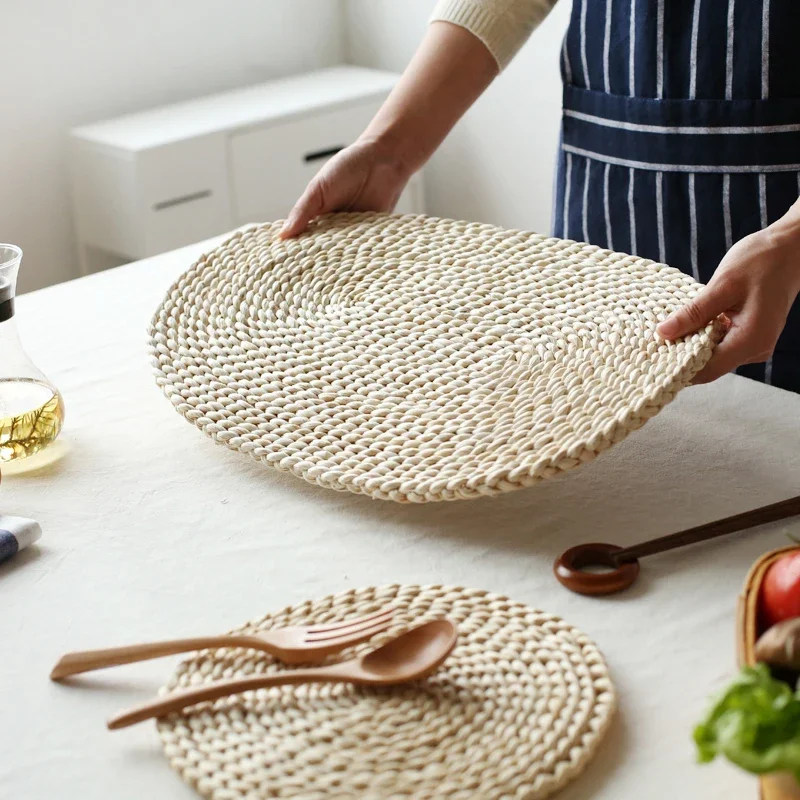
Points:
[(681, 134)]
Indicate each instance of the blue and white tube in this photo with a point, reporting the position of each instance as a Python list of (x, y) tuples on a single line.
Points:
[(16, 533)]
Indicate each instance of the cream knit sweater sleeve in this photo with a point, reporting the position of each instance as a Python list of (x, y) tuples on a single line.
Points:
[(502, 25)]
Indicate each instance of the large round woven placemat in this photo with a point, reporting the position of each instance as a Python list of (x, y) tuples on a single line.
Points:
[(515, 712), (414, 359)]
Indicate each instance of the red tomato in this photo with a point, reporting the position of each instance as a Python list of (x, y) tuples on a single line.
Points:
[(780, 591)]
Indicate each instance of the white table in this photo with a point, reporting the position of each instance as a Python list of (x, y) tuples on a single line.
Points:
[(150, 530)]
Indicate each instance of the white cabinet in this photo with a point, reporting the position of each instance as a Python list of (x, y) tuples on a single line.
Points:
[(150, 182), (260, 184)]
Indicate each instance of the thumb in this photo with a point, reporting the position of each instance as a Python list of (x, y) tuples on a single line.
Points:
[(310, 205), (697, 313), (731, 353)]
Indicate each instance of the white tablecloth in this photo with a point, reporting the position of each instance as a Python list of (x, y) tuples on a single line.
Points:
[(151, 530)]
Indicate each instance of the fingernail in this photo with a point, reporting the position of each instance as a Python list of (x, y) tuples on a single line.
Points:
[(667, 328)]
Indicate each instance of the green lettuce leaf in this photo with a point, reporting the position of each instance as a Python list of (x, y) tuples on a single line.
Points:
[(755, 723)]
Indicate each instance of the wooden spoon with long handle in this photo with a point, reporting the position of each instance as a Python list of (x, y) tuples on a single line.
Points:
[(623, 563), (411, 656)]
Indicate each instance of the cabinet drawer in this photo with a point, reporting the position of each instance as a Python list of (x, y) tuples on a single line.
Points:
[(183, 193), (271, 166), (187, 222)]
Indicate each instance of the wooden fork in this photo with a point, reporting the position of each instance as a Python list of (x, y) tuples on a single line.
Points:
[(305, 645)]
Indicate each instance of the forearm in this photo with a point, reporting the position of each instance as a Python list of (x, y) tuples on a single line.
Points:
[(784, 235), (449, 71), (787, 228)]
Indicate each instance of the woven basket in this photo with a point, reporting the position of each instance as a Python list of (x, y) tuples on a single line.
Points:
[(418, 359), (773, 787)]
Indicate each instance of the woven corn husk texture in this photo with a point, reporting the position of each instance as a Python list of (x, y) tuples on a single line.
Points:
[(415, 359), (516, 711)]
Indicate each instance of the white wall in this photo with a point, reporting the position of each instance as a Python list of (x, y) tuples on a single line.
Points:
[(497, 164), (68, 63)]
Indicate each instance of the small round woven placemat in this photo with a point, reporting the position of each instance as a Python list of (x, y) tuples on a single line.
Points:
[(515, 712), (415, 359)]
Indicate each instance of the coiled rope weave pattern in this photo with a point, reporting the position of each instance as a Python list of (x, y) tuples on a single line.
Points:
[(414, 359), (516, 711)]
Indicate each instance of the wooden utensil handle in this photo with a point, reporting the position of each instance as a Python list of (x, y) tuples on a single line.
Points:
[(722, 527), (213, 691), (88, 660)]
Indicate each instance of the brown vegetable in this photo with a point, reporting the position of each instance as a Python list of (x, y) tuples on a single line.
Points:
[(779, 646)]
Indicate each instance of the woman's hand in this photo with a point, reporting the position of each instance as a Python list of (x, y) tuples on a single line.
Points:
[(365, 176), (446, 75), (754, 286)]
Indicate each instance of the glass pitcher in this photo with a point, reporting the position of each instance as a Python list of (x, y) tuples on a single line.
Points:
[(31, 408)]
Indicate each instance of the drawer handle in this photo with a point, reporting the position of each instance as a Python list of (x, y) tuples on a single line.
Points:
[(319, 154), (178, 201)]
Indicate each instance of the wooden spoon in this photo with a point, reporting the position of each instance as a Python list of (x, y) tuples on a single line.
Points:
[(623, 563), (411, 656)]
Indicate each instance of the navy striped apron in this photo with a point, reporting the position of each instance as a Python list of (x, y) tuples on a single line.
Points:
[(681, 134)]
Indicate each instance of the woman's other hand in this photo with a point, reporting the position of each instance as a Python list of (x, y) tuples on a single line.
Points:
[(754, 286)]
